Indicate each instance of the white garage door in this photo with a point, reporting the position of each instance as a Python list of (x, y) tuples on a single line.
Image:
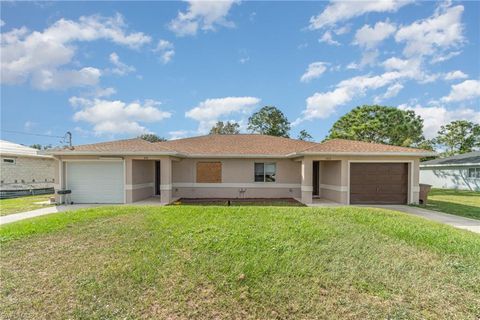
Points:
[(96, 181)]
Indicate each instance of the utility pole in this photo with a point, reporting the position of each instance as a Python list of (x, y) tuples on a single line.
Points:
[(68, 139)]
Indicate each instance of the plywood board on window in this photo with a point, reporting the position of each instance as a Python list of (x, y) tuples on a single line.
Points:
[(209, 172)]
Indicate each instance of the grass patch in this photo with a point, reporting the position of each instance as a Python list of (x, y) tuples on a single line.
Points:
[(237, 263), (459, 202), (9, 206)]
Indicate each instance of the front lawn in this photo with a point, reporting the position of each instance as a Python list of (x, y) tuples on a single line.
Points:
[(459, 202), (9, 206), (184, 262)]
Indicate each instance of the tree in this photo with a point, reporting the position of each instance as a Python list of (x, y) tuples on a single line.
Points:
[(40, 147), (150, 137), (225, 128), (305, 136), (380, 124), (459, 137), (270, 121)]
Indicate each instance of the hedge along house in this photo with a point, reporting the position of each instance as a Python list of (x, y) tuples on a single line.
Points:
[(240, 166)]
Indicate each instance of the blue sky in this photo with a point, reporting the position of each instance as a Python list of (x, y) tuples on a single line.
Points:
[(107, 70)]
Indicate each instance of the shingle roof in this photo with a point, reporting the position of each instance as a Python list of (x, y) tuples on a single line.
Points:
[(471, 157), (128, 145), (238, 144), (342, 145)]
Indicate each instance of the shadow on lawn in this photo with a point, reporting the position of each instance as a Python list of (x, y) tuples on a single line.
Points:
[(453, 208)]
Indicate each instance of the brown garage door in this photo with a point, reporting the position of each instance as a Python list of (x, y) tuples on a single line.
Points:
[(378, 183)]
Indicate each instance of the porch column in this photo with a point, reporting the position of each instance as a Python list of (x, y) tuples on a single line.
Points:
[(166, 180), (307, 187), (128, 167)]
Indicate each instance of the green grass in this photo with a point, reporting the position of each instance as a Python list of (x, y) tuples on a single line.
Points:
[(458, 202), (9, 206), (192, 262)]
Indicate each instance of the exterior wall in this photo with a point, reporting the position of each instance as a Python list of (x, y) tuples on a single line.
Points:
[(237, 180), (334, 175), (331, 181), (449, 178), (142, 177), (27, 173)]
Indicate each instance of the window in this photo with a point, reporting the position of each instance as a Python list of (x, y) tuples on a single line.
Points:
[(474, 173), (265, 172), (9, 160), (209, 172)]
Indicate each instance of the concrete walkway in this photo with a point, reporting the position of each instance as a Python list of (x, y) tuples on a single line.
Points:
[(452, 220), (43, 211)]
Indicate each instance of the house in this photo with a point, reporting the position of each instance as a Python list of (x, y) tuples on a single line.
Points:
[(23, 168), (457, 172), (240, 166)]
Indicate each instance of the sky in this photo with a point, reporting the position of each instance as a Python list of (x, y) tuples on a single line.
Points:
[(114, 70)]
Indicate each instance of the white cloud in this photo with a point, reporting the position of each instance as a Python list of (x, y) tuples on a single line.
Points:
[(314, 70), (324, 104), (2, 23), (467, 90), (41, 56), (179, 134), (61, 79), (327, 38), (435, 117), (166, 50), (338, 11), (28, 125), (369, 37), (433, 35), (392, 91), (454, 75), (117, 117), (121, 68), (104, 92), (440, 58), (202, 15), (208, 112)]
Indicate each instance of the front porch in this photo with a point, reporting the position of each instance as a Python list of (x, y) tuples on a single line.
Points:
[(148, 180), (324, 182)]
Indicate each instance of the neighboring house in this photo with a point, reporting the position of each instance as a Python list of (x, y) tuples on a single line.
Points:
[(457, 172), (240, 166), (23, 168)]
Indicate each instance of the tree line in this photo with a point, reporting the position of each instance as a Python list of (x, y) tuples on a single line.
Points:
[(369, 123)]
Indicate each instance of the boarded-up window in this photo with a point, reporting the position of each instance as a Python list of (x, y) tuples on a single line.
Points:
[(209, 172)]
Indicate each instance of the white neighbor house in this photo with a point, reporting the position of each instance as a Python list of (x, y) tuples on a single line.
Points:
[(22, 168), (457, 172)]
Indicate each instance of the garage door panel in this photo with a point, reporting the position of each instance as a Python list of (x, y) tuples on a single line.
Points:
[(381, 183), (96, 181)]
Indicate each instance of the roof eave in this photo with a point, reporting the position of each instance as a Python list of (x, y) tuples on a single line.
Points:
[(362, 154), (112, 153), (449, 165)]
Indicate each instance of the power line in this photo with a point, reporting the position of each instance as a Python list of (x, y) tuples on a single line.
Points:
[(33, 134)]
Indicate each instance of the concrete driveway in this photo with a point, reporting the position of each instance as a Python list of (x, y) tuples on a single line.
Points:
[(452, 220), (43, 211)]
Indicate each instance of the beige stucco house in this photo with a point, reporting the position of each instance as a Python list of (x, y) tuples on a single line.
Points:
[(239, 166)]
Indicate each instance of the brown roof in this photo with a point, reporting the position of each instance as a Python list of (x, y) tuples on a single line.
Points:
[(238, 144), (351, 146), (129, 145)]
